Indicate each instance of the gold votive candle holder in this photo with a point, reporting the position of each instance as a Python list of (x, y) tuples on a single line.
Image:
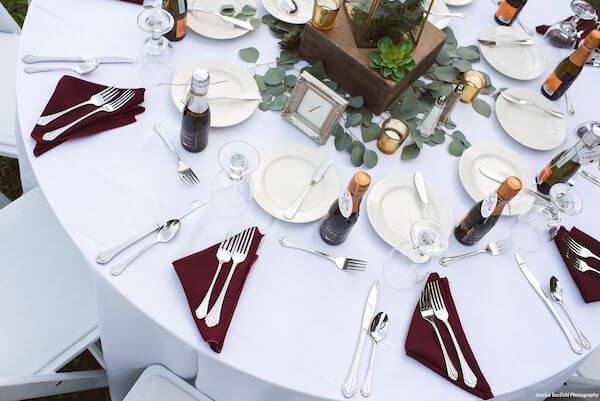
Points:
[(393, 133), (324, 14), (474, 82)]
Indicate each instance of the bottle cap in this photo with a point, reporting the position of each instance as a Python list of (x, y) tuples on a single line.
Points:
[(592, 137), (440, 101), (592, 41), (509, 188), (459, 89), (200, 81), (359, 183)]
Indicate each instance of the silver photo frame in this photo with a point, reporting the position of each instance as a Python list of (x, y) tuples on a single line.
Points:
[(307, 82)]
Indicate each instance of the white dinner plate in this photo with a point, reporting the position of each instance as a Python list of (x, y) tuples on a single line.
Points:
[(529, 125), (233, 80), (441, 8), (394, 206), (504, 162), (518, 62), (284, 173), (458, 3), (212, 26), (302, 16)]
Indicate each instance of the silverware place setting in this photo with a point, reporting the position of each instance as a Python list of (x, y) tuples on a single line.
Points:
[(578, 249), (234, 21), (184, 171), (557, 295), (377, 332), (31, 59), (111, 107), (99, 99), (527, 102), (83, 68), (342, 263), (506, 42), (492, 249)]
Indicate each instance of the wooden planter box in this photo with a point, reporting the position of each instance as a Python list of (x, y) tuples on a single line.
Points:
[(348, 65)]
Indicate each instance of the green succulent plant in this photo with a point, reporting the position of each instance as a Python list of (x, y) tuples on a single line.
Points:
[(393, 61)]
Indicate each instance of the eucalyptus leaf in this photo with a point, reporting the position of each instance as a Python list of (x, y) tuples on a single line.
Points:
[(249, 54), (227, 9), (444, 57), (439, 136), (482, 107), (456, 148), (370, 132), (331, 84), (290, 81), (450, 124), (338, 130), (242, 17), (462, 65), (370, 159), (263, 106), (317, 70), (248, 10), (279, 102), (467, 53), (446, 73), (260, 82), (268, 19), (410, 152), (255, 22), (342, 142), (356, 156), (353, 119), (274, 76), (356, 102)]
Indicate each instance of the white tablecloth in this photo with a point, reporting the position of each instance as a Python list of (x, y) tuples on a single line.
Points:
[(297, 321)]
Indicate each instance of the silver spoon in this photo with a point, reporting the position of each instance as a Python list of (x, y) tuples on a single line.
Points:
[(82, 69), (557, 294), (165, 234), (378, 330)]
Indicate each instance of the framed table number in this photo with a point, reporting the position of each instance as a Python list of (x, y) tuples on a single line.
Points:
[(314, 108)]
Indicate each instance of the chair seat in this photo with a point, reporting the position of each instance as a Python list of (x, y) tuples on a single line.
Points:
[(47, 297), (159, 384), (590, 369), (9, 49)]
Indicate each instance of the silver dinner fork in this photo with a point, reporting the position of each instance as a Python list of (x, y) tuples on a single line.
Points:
[(223, 256), (493, 249), (97, 100), (581, 265), (428, 314), (185, 172), (441, 313), (107, 108), (240, 253), (342, 263), (579, 250)]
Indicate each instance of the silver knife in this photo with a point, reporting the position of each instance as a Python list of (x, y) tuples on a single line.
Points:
[(349, 387), (494, 176), (591, 177), (522, 42), (575, 344), (231, 20), (107, 255), (31, 59), (291, 211)]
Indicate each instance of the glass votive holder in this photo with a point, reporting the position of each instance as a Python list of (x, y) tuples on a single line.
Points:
[(324, 14), (474, 82), (393, 133)]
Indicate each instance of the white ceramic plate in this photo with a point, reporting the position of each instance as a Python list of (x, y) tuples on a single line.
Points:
[(504, 162), (529, 125), (458, 2), (302, 16), (212, 26), (284, 172), (394, 206), (441, 8), (223, 112), (518, 62)]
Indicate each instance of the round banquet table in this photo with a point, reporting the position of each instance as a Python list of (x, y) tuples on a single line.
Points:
[(296, 325)]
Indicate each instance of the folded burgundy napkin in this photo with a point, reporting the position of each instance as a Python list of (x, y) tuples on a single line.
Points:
[(422, 344), (587, 282), (71, 91), (583, 27), (196, 272), (135, 1)]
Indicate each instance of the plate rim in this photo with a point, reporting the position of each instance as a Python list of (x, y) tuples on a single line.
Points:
[(279, 14)]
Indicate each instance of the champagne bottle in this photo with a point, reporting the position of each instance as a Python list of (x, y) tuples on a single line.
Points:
[(178, 9), (344, 212), (562, 167), (508, 11), (568, 70), (483, 216), (195, 123)]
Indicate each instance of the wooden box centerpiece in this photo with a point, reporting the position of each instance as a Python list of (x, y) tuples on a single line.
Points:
[(348, 65)]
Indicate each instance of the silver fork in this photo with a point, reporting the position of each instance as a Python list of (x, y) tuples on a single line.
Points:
[(107, 108), (185, 172), (581, 265), (240, 253), (223, 256), (98, 99), (493, 248), (428, 314), (342, 263), (441, 313), (578, 249)]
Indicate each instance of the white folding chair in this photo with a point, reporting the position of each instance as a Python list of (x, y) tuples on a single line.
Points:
[(159, 384), (588, 374), (47, 304), (9, 48)]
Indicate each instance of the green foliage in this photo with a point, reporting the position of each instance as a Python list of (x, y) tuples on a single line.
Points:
[(247, 13), (249, 54), (393, 61)]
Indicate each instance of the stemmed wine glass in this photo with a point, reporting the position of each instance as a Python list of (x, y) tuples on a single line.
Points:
[(157, 53), (565, 33), (532, 230)]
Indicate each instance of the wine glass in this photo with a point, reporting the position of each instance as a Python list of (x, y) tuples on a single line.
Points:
[(157, 53), (564, 33), (230, 188), (534, 229)]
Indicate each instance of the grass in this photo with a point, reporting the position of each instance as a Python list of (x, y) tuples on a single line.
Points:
[(16, 8)]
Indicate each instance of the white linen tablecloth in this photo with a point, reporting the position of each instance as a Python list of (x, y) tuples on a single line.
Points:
[(297, 321)]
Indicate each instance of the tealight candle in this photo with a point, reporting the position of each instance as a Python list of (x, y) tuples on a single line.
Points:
[(393, 133), (474, 82)]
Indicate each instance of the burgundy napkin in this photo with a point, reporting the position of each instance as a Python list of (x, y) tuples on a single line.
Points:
[(422, 345), (589, 282), (71, 91), (583, 27), (135, 1), (196, 272)]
